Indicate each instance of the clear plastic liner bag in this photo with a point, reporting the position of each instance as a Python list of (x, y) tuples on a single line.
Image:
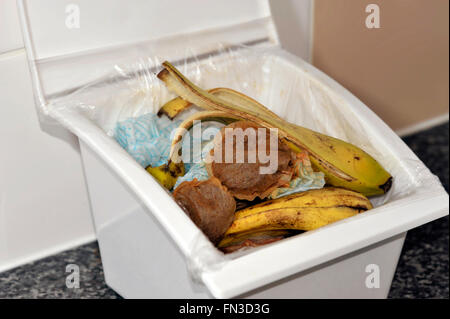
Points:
[(271, 76)]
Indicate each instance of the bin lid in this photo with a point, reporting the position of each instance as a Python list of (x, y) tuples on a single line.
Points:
[(72, 43)]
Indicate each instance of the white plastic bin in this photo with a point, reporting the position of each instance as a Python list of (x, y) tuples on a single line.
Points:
[(149, 247)]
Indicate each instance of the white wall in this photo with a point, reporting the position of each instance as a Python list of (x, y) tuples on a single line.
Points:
[(44, 206), (293, 19)]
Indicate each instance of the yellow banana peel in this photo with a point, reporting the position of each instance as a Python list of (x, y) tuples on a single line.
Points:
[(316, 198), (300, 218), (167, 174), (177, 105), (343, 164), (174, 107), (302, 211)]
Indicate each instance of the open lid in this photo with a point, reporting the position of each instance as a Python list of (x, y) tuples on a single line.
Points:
[(72, 43)]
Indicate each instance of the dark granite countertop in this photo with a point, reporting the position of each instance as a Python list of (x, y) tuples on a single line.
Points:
[(422, 271)]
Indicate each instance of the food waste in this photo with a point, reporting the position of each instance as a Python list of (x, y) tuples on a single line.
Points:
[(233, 206)]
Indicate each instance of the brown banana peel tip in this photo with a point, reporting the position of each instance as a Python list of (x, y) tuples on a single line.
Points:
[(388, 185), (162, 112), (163, 74)]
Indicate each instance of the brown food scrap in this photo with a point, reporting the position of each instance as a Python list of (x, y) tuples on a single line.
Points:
[(208, 203), (250, 243), (244, 180)]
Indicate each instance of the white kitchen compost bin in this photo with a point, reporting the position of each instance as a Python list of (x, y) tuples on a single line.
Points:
[(83, 70)]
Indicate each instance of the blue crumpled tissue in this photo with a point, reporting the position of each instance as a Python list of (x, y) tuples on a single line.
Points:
[(146, 138)]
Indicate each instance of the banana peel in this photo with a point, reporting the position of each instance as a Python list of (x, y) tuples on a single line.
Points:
[(174, 107), (177, 105), (300, 218), (316, 198), (167, 174), (343, 164), (302, 211)]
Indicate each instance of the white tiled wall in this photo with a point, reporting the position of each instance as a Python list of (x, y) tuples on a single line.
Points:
[(10, 35), (43, 199)]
